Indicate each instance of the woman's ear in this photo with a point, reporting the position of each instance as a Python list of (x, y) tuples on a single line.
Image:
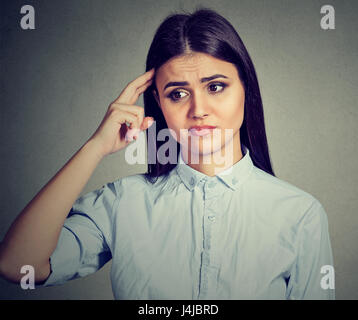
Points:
[(156, 97)]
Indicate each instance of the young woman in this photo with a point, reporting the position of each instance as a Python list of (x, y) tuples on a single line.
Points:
[(195, 227)]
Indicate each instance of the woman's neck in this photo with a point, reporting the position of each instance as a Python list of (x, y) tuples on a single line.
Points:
[(212, 164)]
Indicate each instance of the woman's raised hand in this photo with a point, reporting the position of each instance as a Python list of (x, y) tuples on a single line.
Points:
[(113, 134), (39, 223)]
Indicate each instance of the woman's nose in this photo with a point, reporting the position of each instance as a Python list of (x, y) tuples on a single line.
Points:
[(199, 107)]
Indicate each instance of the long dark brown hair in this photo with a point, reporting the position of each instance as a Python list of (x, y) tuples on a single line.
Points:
[(208, 32)]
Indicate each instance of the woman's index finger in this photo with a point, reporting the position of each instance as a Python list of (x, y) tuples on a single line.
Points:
[(132, 86)]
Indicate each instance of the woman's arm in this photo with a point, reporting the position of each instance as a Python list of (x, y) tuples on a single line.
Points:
[(308, 280), (33, 236)]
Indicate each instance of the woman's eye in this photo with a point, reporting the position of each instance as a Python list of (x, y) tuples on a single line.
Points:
[(215, 85), (175, 96)]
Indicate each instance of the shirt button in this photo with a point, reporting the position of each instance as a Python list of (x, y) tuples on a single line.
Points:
[(234, 180), (212, 218), (192, 181)]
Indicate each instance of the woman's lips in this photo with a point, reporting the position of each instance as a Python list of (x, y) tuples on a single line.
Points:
[(201, 131)]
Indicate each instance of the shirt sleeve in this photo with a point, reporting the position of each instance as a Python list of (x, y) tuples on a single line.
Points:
[(82, 247), (312, 276)]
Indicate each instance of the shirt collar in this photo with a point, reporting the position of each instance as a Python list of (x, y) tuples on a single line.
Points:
[(232, 177)]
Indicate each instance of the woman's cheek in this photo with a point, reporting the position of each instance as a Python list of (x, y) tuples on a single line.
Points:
[(174, 126)]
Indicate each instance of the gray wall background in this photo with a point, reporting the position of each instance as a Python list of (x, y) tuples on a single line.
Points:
[(58, 80)]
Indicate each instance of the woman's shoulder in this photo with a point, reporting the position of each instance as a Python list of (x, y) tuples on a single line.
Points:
[(285, 204), (278, 186), (137, 181), (278, 193), (141, 183)]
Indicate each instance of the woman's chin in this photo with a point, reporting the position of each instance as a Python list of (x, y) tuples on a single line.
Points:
[(202, 151)]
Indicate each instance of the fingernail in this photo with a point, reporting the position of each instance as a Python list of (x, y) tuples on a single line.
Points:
[(150, 122)]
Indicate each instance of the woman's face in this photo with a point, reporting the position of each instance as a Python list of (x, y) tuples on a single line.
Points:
[(211, 93)]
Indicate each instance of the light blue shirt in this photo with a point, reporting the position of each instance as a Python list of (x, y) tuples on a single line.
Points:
[(242, 234)]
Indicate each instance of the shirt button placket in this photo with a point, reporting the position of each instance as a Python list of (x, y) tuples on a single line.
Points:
[(208, 270)]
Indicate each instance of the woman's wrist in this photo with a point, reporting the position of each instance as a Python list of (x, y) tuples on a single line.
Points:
[(95, 148)]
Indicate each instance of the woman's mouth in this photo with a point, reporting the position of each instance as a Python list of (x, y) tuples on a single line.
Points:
[(201, 131)]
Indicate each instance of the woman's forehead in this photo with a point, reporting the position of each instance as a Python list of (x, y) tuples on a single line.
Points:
[(194, 65)]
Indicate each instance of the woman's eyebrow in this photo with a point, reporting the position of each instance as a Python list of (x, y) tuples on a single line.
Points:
[(184, 83)]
